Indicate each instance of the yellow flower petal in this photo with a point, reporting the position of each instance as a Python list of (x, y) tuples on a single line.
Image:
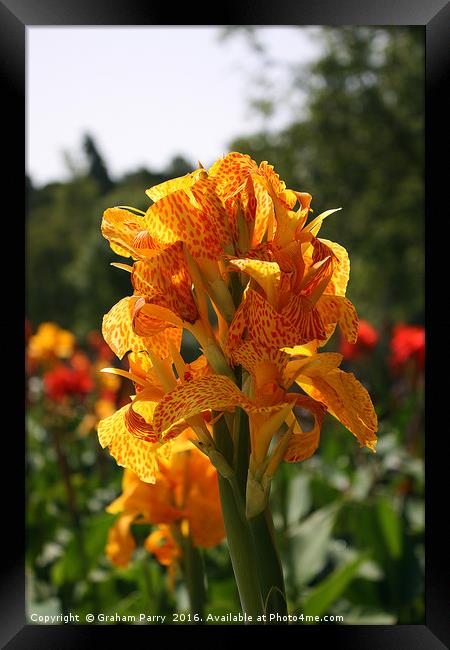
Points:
[(260, 361), (266, 274), (302, 444), (197, 219), (297, 323), (202, 507), (301, 350), (127, 234), (231, 172), (162, 545), (347, 400), (164, 280), (128, 450), (312, 365), (339, 279), (315, 224), (216, 392), (118, 331), (339, 309), (157, 192)]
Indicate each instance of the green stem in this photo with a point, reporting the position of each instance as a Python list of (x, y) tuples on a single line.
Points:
[(146, 584), (194, 571), (269, 564), (240, 540), (241, 450), (267, 557)]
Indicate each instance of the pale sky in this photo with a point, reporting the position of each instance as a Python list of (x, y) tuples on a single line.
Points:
[(145, 93)]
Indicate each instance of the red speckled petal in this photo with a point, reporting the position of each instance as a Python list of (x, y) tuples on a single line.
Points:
[(231, 172), (118, 331), (197, 219), (128, 450), (216, 393), (264, 212), (338, 309), (253, 358), (165, 280), (160, 344), (297, 323), (347, 400), (339, 280), (157, 192), (127, 234)]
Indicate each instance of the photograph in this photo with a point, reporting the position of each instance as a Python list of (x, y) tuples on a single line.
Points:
[(225, 327)]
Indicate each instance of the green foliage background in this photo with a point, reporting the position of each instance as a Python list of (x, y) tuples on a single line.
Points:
[(350, 525)]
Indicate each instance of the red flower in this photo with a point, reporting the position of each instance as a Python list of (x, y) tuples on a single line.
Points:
[(367, 340), (407, 342), (64, 381)]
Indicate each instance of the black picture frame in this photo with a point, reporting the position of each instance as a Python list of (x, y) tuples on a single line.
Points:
[(434, 16)]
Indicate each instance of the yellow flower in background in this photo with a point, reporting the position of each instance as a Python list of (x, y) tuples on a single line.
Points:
[(51, 342), (163, 546), (183, 502), (121, 545)]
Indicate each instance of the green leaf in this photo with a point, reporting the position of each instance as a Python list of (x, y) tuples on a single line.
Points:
[(309, 542), (96, 535), (390, 526), (329, 590), (298, 498), (69, 568)]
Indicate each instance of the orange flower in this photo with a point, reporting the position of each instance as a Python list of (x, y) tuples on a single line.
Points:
[(130, 433), (270, 405), (297, 292), (50, 343), (121, 544), (183, 501), (231, 238), (163, 546)]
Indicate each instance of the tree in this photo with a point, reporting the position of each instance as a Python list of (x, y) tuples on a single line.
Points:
[(97, 167), (360, 146)]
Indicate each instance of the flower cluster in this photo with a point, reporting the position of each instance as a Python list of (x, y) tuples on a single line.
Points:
[(64, 381), (230, 255), (184, 503), (66, 375), (48, 345)]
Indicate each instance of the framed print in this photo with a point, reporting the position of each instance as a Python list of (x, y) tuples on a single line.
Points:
[(202, 418)]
